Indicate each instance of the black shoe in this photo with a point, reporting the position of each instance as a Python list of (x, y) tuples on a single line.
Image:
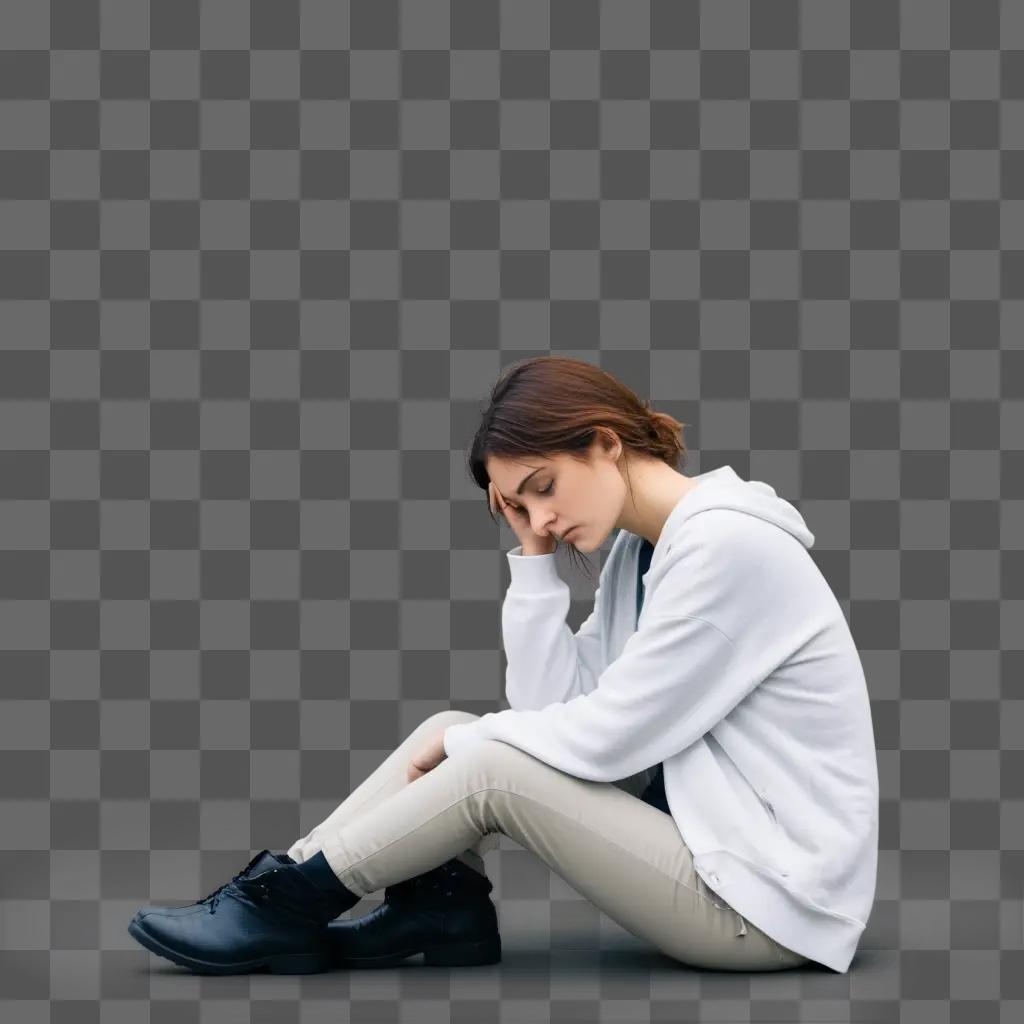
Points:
[(273, 919), (446, 914), (261, 862)]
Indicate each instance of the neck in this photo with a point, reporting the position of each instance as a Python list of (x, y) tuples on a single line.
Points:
[(657, 489)]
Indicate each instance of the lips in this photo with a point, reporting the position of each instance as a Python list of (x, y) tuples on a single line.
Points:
[(569, 532)]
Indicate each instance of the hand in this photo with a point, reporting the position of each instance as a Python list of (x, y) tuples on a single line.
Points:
[(428, 758), (533, 543)]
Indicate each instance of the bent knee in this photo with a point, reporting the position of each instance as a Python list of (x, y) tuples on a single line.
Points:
[(451, 716), (495, 761)]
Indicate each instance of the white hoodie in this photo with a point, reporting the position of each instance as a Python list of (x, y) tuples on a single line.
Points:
[(741, 675)]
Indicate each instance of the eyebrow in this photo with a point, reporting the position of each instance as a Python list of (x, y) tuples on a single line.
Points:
[(522, 483)]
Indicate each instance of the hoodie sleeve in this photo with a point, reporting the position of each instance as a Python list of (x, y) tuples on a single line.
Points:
[(678, 675), (547, 662)]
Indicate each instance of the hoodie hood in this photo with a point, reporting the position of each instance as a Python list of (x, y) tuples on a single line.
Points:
[(724, 488)]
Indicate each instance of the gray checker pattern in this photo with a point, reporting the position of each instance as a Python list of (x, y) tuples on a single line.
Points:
[(259, 264)]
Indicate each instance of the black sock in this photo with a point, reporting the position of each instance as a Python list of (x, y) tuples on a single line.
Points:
[(321, 874)]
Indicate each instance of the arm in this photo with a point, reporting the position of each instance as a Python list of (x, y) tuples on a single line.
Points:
[(547, 662), (650, 703), (677, 677)]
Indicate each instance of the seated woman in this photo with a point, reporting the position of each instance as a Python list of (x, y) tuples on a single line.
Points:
[(697, 759)]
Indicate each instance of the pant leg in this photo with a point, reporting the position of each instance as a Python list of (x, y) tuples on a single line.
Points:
[(386, 779), (624, 856), (390, 776)]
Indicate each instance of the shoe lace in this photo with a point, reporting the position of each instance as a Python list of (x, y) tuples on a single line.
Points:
[(221, 891), (446, 878)]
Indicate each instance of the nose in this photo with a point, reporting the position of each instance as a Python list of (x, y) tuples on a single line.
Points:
[(533, 526)]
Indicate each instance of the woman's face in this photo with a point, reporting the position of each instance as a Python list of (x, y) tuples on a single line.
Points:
[(560, 494)]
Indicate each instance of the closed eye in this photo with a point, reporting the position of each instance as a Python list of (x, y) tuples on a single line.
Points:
[(547, 490)]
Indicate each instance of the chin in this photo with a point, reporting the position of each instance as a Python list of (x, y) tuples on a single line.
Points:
[(581, 541)]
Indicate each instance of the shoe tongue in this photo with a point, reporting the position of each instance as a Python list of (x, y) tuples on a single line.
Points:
[(263, 861)]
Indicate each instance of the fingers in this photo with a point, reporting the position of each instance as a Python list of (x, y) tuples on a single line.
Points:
[(494, 498)]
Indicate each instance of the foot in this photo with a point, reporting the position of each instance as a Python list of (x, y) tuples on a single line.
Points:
[(261, 862), (446, 914), (272, 919)]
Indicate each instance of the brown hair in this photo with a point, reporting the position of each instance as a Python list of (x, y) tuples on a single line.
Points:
[(551, 405)]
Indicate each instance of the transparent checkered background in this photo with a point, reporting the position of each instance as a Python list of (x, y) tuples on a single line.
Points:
[(261, 263)]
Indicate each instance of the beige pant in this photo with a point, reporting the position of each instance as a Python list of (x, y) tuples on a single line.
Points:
[(623, 855)]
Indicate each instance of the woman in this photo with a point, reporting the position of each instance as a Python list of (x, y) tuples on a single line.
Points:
[(697, 760)]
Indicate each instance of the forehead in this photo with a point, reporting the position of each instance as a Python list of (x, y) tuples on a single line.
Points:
[(506, 473)]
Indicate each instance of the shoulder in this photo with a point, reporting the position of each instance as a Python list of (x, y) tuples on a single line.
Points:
[(716, 525), (720, 537)]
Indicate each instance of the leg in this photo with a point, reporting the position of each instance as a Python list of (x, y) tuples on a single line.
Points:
[(389, 777), (385, 780), (624, 856)]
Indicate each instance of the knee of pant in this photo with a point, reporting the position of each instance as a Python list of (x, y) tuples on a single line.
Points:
[(491, 762), (453, 716)]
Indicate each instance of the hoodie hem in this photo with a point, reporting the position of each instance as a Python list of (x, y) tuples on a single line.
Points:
[(789, 918)]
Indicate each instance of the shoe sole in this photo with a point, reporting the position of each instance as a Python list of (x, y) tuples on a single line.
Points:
[(454, 954), (285, 963)]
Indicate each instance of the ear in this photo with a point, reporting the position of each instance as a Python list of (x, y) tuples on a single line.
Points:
[(608, 443)]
